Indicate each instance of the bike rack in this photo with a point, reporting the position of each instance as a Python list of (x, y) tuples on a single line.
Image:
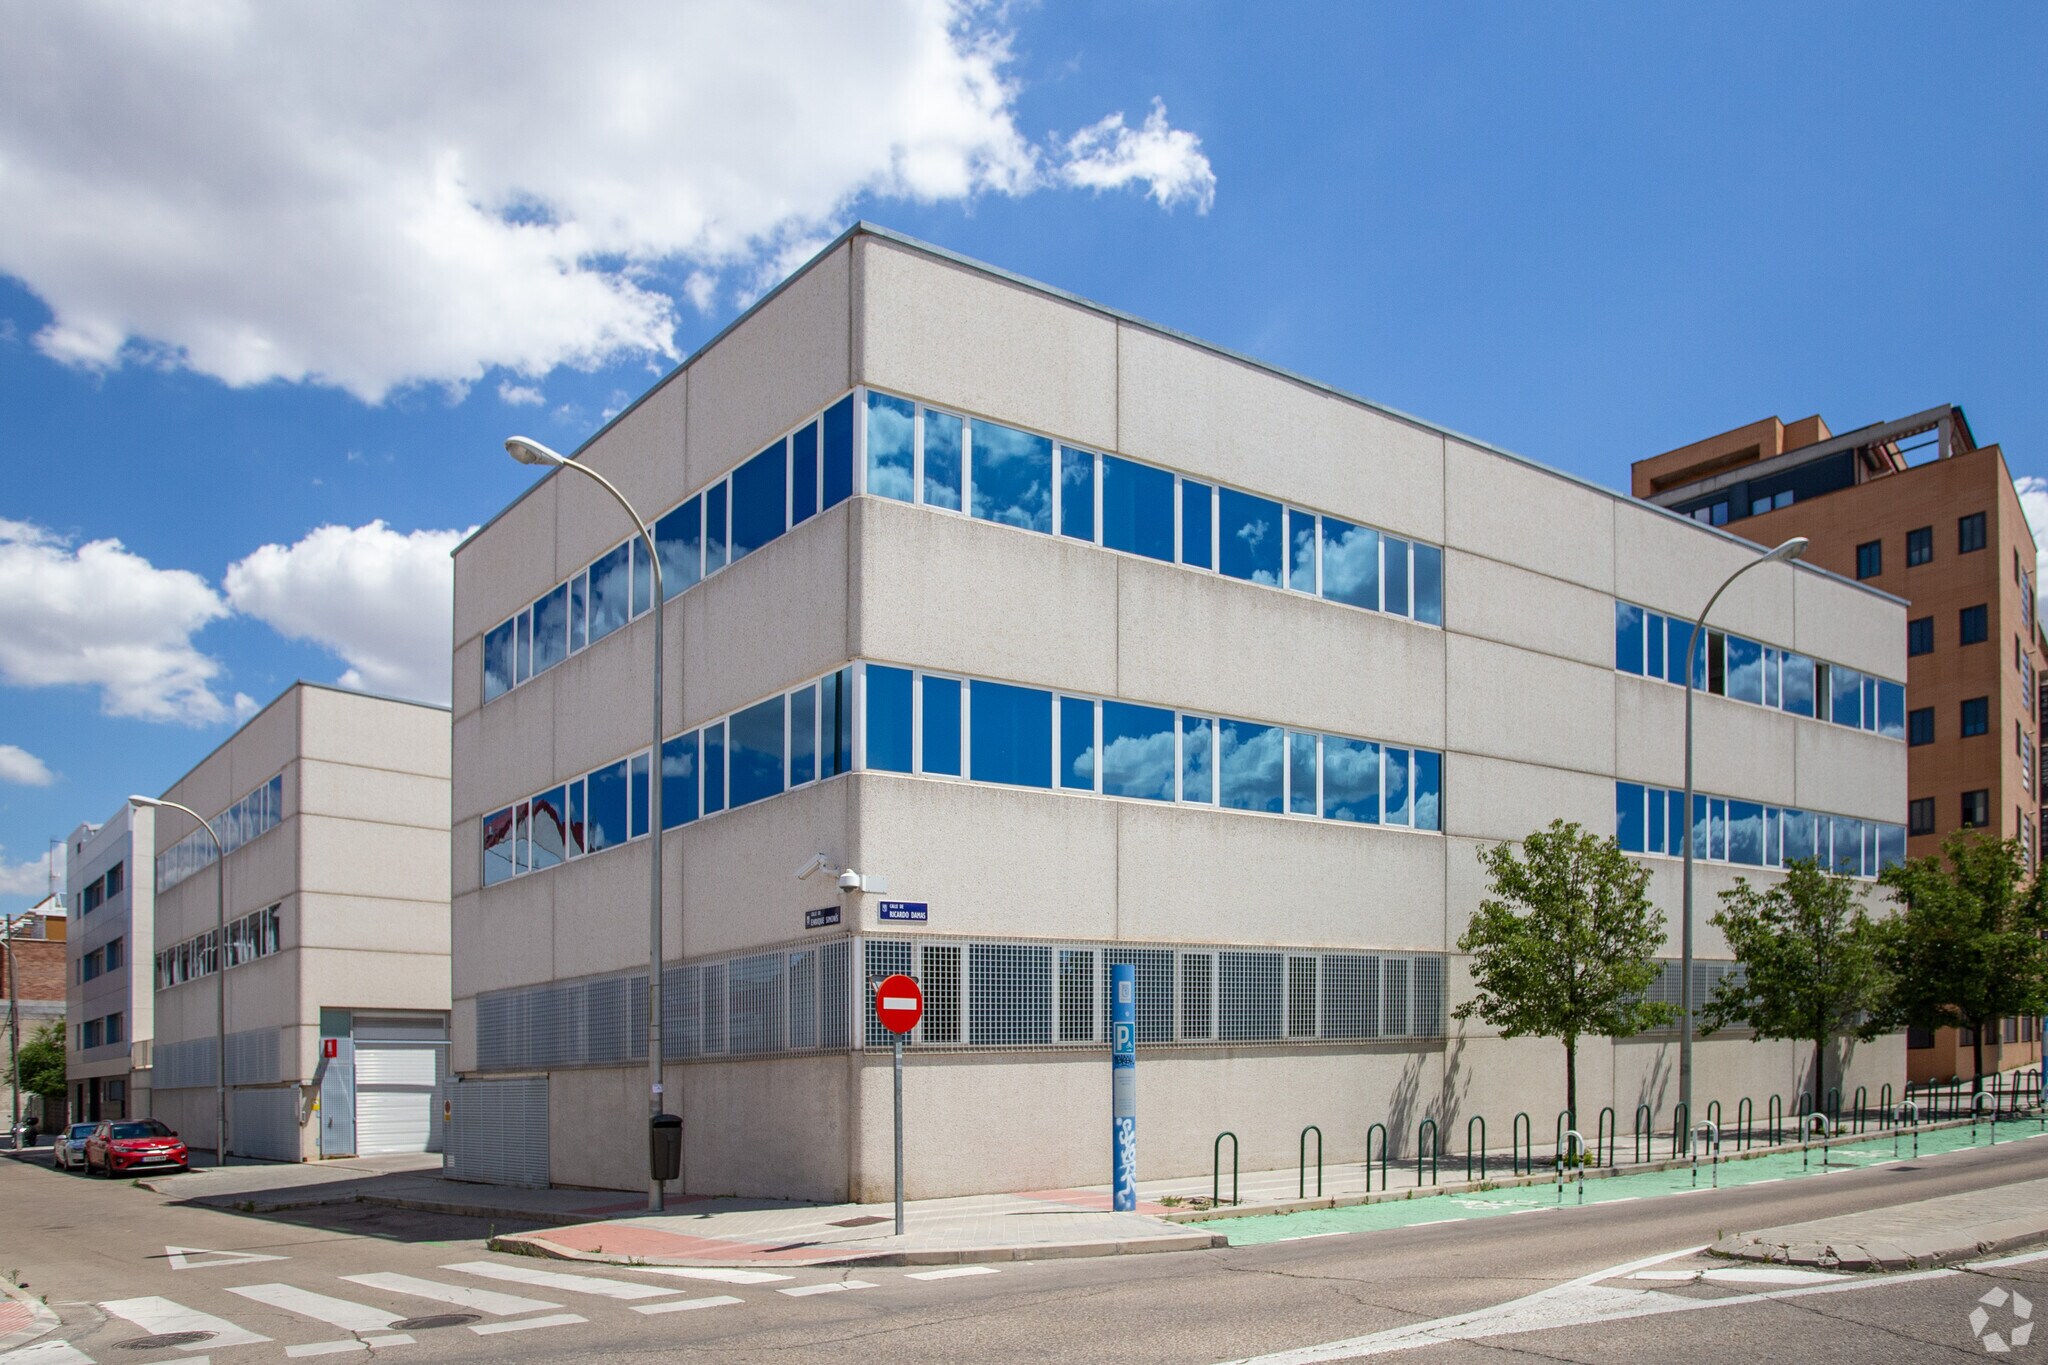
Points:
[(1833, 1107), (1884, 1100), (1862, 1098), (1645, 1136), (1216, 1173), (1479, 1147), (1806, 1122), (1522, 1146), (1775, 1112), (1681, 1129), (1745, 1115), (1713, 1132), (1381, 1129), (1303, 1191), (1605, 1131), (1904, 1106), (1434, 1143), (1571, 1146), (1978, 1102), (1566, 1121)]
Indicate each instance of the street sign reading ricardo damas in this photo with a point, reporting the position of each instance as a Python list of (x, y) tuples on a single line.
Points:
[(899, 1004)]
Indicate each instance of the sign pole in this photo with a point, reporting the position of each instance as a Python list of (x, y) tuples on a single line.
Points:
[(1123, 1085), (899, 1004), (899, 1135)]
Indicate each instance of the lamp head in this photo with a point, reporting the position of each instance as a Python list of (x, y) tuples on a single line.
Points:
[(529, 451), (148, 802), (1790, 550)]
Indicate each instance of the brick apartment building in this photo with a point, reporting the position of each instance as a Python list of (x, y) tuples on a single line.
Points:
[(35, 940)]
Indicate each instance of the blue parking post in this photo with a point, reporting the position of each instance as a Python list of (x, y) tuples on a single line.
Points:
[(1123, 1084)]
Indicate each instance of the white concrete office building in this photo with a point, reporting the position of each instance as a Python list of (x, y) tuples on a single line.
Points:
[(333, 809), (1096, 644), (110, 1005)]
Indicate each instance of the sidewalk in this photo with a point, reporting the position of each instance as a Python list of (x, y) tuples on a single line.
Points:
[(1931, 1232)]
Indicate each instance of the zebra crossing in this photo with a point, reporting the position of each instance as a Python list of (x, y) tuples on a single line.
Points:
[(485, 1298)]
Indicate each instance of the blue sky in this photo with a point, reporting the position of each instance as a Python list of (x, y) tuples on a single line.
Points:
[(316, 284)]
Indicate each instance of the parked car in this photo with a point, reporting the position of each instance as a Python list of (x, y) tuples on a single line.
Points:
[(123, 1148), (67, 1153)]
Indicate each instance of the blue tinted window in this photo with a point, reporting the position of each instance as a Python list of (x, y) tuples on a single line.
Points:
[(1772, 854), (1137, 751), (578, 839), (942, 467), (1351, 780), (1628, 637), (1796, 690), (1077, 744), (1399, 807), (1351, 564), (889, 718), (1653, 641), (1796, 835), (1845, 702), (1077, 494), (1628, 816), (760, 500), (1848, 845), (606, 818), (1678, 634), (1653, 829), (643, 578), (610, 593), (1891, 710), (550, 829), (942, 726), (891, 431), (680, 538), (1137, 509), (1301, 550), (1396, 575), (1429, 584), (1012, 477), (838, 423), (803, 473), (1674, 823), (1745, 670), (803, 735), (1746, 833), (755, 754), (639, 798), (579, 600), (1012, 732), (1869, 702), (1891, 846), (835, 723), (1197, 762), (1301, 773), (551, 629), (714, 768), (679, 780), (1250, 767), (498, 661), (716, 538), (522, 836), (498, 846), (1719, 809), (1195, 524), (1251, 538), (522, 647)]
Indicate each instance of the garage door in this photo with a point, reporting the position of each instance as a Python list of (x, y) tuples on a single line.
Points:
[(395, 1096)]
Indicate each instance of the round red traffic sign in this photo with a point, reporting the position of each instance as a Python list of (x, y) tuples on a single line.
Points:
[(899, 1004)]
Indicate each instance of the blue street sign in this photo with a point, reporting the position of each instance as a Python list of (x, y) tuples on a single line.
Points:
[(1123, 1085), (914, 912)]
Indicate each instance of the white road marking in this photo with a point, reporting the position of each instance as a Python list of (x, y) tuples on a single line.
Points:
[(342, 1313), (483, 1300), (485, 1329), (690, 1272), (47, 1353), (568, 1284), (181, 1258), (959, 1270), (395, 1339), (156, 1316), (1763, 1274), (684, 1305), (837, 1286)]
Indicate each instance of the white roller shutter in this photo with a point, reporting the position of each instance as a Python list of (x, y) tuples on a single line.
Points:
[(395, 1096)]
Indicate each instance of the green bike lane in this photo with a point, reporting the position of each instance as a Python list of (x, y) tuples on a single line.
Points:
[(1786, 1162)]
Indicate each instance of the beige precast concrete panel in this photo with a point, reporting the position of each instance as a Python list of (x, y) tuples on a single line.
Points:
[(372, 732), (596, 704), (380, 795), (1506, 1076), (1216, 418), (642, 452), (378, 923), (736, 875), (787, 360), (600, 911), (1493, 799), (1238, 649), (1532, 708), (776, 1128), (504, 936), (605, 1155), (462, 1035), (1673, 566), (1510, 605), (356, 857), (1739, 749), (466, 678), (1033, 1125), (1666, 891), (1849, 772), (510, 562), (1845, 626), (368, 980), (962, 339), (515, 743), (1505, 510), (1214, 876), (1018, 607), (465, 856)]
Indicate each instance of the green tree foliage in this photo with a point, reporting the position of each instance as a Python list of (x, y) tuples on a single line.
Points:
[(1813, 966), (41, 1064), (1564, 946), (1966, 946)]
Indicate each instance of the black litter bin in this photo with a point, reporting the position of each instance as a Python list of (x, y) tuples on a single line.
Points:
[(665, 1147)]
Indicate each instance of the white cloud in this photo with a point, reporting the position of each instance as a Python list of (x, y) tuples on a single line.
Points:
[(382, 600), (101, 616), (2033, 491), (520, 395), (19, 766), (1168, 161), (31, 878), (383, 194)]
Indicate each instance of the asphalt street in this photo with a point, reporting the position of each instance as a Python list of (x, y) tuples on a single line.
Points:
[(1615, 1285)]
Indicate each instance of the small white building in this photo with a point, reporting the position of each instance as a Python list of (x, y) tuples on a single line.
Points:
[(110, 877)]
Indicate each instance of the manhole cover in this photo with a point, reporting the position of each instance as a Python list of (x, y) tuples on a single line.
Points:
[(164, 1341), (435, 1320), (865, 1220)]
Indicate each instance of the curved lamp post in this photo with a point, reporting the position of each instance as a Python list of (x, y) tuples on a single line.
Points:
[(1790, 550), (220, 949), (533, 452)]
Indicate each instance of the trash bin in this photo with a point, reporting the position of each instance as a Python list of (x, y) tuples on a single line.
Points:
[(665, 1147)]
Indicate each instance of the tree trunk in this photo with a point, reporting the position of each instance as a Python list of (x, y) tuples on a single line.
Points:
[(1820, 1073), (1571, 1080), (1976, 1056)]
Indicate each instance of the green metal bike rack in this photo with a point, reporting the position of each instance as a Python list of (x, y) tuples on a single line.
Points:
[(1478, 1120), (1303, 1192), (1429, 1124), (1862, 1099), (1522, 1139), (1216, 1173), (1645, 1134), (1745, 1115), (1381, 1129), (1606, 1129), (1681, 1129), (1775, 1112)]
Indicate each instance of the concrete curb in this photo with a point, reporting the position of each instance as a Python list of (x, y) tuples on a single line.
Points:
[(42, 1321), (1891, 1254), (533, 1244)]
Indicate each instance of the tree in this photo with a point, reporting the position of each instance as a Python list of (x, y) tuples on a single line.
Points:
[(1813, 966), (41, 1065), (1562, 949), (1966, 946)]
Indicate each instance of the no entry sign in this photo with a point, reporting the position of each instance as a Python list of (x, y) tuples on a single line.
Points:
[(899, 1004)]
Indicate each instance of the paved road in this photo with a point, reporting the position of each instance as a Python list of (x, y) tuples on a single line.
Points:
[(348, 1279)]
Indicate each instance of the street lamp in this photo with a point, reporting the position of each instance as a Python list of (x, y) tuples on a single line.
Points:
[(13, 1025), (1784, 553), (533, 452), (220, 949)]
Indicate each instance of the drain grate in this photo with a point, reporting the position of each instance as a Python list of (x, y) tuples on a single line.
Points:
[(865, 1220), (433, 1320), (164, 1341)]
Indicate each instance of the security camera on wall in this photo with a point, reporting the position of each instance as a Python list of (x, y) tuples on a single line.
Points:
[(849, 880), (818, 863)]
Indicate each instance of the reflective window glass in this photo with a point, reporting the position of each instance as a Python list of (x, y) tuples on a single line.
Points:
[(760, 500), (605, 820), (643, 577), (679, 780), (579, 601), (609, 592), (1351, 564), (942, 726), (755, 755), (1301, 550), (1397, 800), (1653, 823), (1891, 710), (551, 629), (1845, 702), (838, 460), (1137, 751), (1796, 835), (1429, 584), (1250, 757), (803, 473), (942, 465), (1848, 845), (497, 846), (641, 809), (680, 538), (1196, 524), (716, 534), (803, 735), (1678, 638), (1891, 846), (888, 718), (1011, 733), (1077, 494), (1628, 817), (714, 767), (1653, 645), (1745, 670), (1351, 780), (498, 661), (1628, 637), (892, 425), (1396, 569), (1797, 690), (1719, 812), (522, 662), (1251, 537), (1137, 509), (550, 840), (835, 723), (1012, 478), (1674, 823), (1746, 833), (1197, 760), (1077, 744), (1301, 773)]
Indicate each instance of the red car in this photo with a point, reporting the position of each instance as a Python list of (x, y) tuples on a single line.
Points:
[(124, 1147)]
